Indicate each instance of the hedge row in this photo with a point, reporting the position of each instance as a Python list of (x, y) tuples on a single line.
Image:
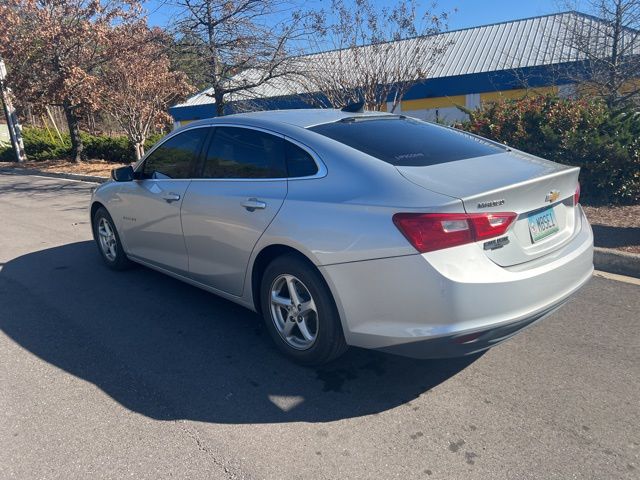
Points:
[(604, 143), (41, 144)]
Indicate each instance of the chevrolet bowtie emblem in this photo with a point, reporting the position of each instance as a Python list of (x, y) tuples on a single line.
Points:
[(552, 196)]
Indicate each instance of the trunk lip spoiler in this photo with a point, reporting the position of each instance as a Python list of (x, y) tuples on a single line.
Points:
[(565, 171)]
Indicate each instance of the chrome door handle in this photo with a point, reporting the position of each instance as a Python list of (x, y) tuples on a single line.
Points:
[(252, 204), (171, 197)]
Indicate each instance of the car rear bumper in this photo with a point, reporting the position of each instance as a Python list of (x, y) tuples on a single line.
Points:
[(456, 301), (467, 343)]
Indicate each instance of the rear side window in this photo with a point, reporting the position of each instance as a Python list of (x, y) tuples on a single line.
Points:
[(244, 153), (175, 157), (406, 142), (299, 162)]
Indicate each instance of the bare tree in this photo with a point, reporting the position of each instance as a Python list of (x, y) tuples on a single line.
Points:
[(377, 54), (138, 98), (607, 47), (244, 43)]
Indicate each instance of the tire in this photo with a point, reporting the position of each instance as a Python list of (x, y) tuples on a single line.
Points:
[(318, 317), (110, 248)]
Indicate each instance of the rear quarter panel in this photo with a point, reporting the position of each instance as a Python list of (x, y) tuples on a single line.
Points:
[(346, 216)]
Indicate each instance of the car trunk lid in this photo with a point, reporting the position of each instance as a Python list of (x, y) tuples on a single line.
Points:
[(540, 192)]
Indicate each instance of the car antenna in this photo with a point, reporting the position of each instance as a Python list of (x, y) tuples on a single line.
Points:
[(356, 107)]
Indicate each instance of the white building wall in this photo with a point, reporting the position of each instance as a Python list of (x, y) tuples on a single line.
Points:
[(446, 115), (567, 91), (5, 139), (473, 101), (398, 107)]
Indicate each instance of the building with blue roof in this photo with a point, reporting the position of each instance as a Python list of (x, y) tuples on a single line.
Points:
[(479, 65)]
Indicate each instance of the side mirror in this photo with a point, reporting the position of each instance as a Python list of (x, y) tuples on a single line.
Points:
[(123, 174)]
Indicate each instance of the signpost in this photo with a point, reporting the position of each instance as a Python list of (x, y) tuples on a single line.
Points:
[(15, 131)]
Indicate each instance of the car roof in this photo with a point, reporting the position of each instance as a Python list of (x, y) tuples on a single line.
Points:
[(305, 118)]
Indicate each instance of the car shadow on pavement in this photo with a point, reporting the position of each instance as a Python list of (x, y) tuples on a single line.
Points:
[(171, 351)]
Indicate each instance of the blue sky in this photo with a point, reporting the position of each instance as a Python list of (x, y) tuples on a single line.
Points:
[(470, 12), (481, 12)]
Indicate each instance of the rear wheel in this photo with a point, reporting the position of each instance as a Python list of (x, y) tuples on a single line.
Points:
[(300, 313), (108, 241)]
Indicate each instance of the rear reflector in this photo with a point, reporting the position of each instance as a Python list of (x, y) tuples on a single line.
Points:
[(434, 231)]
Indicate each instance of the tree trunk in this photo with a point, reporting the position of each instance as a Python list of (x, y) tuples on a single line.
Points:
[(219, 97), (77, 147), (614, 61), (139, 149)]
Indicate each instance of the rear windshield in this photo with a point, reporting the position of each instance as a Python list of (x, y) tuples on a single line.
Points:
[(406, 142)]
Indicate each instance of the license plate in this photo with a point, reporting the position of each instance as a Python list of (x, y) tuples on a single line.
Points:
[(543, 224)]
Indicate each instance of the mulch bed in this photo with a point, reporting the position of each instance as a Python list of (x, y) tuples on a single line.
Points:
[(616, 227), (98, 168)]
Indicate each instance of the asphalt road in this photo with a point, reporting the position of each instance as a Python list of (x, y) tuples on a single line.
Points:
[(134, 374)]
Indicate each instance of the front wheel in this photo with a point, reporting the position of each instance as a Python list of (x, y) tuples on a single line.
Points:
[(108, 241), (300, 313)]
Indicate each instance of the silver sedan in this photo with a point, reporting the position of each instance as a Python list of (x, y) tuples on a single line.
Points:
[(365, 229)]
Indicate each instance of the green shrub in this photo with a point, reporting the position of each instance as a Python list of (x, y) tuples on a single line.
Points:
[(6, 154), (41, 144), (152, 140), (603, 142), (111, 149)]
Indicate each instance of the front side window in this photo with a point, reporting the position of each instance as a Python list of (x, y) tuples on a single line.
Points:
[(237, 152), (174, 159), (406, 142)]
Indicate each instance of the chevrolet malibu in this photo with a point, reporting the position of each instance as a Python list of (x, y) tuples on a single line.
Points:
[(366, 229)]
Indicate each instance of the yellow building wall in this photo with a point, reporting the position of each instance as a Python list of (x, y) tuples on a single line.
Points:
[(630, 86), (460, 100), (516, 93), (432, 103), (586, 89)]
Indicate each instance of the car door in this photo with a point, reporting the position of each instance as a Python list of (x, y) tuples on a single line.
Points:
[(242, 186), (150, 205)]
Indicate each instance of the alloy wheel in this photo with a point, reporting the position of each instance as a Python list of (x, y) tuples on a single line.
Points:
[(108, 241), (294, 312)]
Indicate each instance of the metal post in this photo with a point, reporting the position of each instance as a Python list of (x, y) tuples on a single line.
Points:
[(15, 130)]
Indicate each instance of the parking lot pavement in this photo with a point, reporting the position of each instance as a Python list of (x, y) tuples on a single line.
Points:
[(134, 374)]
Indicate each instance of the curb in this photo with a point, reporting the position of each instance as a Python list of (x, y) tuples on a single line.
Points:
[(67, 176), (615, 261)]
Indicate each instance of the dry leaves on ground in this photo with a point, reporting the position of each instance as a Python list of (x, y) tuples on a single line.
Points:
[(98, 168)]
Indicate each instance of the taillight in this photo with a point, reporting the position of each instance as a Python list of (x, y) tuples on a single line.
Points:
[(576, 196), (434, 231)]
